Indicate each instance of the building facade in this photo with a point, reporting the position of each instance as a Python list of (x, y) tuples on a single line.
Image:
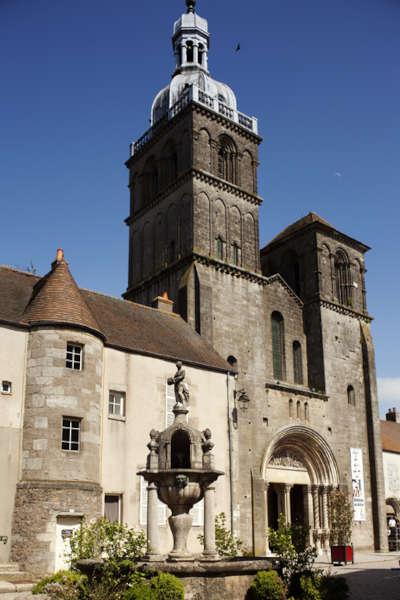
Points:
[(292, 317), (276, 343)]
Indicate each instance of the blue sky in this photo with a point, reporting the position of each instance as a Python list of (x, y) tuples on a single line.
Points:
[(77, 80)]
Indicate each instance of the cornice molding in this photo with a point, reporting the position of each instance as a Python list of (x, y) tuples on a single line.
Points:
[(295, 391), (339, 308), (223, 185)]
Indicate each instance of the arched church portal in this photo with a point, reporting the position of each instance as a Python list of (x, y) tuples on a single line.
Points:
[(299, 470)]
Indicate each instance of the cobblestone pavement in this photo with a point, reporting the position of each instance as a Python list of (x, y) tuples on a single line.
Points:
[(372, 577)]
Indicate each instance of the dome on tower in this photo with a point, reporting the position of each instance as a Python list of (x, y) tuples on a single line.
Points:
[(191, 42)]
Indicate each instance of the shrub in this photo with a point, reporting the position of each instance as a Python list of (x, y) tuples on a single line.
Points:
[(65, 585), (267, 585), (309, 588), (341, 518), (289, 543), (165, 586), (226, 543), (104, 539)]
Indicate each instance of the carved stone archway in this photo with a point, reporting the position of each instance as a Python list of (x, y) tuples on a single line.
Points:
[(299, 460)]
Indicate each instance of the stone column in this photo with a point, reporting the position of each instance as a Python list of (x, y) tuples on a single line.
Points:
[(152, 523), (210, 552), (308, 509), (266, 518), (317, 523), (280, 498), (183, 55), (325, 516), (195, 53), (286, 491)]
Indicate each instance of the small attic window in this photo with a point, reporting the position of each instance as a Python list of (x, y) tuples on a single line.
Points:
[(6, 387)]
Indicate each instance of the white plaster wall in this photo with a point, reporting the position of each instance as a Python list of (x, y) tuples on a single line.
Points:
[(12, 368), (391, 471), (125, 442)]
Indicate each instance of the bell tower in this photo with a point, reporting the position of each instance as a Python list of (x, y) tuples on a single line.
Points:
[(193, 185)]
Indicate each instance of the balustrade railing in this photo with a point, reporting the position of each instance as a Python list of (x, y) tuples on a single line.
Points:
[(194, 94)]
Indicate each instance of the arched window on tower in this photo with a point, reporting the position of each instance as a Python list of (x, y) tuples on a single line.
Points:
[(344, 287), (235, 254), (278, 346), (351, 395), (150, 181), (189, 51), (297, 363), (227, 159), (220, 248), (201, 54)]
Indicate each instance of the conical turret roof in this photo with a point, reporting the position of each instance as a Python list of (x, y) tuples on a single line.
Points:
[(56, 298)]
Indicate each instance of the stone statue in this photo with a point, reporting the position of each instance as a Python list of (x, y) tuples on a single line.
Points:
[(180, 386)]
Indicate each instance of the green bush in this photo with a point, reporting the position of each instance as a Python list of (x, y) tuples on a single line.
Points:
[(66, 585), (160, 587), (165, 586), (107, 540), (290, 544), (267, 585), (309, 588), (226, 543)]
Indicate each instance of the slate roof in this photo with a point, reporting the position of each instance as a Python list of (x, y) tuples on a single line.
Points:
[(26, 299), (312, 219), (390, 436)]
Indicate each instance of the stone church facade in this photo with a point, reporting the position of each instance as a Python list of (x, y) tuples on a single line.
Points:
[(291, 318), (277, 346)]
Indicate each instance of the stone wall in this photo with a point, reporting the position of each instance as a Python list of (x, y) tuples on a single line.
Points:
[(37, 505)]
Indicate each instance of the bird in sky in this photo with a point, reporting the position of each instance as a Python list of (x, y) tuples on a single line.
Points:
[(237, 48)]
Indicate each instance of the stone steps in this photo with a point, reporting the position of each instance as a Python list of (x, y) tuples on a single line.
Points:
[(14, 582), (8, 568)]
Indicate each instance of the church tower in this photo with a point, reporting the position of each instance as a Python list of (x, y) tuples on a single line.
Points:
[(193, 185), (292, 321)]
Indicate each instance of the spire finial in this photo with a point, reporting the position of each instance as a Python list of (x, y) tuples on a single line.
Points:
[(191, 5)]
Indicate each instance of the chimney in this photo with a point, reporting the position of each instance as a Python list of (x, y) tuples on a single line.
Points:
[(163, 303), (393, 415)]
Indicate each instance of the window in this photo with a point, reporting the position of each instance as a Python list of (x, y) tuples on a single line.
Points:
[(351, 395), (298, 409), (220, 248), (71, 433), (306, 413), (74, 357), (344, 288), (113, 507), (116, 404), (227, 159), (162, 508), (201, 54), (189, 49), (291, 408), (6, 387), (278, 346), (236, 254), (297, 363)]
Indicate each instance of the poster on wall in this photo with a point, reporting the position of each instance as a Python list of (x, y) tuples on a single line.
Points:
[(357, 480)]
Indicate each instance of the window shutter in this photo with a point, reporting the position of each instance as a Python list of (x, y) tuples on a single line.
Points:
[(169, 404), (197, 513), (162, 509)]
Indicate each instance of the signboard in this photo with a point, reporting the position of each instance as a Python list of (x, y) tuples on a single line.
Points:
[(357, 480)]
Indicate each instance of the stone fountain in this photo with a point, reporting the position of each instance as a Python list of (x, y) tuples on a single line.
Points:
[(180, 472)]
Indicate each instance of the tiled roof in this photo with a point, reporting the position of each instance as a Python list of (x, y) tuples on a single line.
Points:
[(57, 299), (390, 436), (308, 220), (124, 324)]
